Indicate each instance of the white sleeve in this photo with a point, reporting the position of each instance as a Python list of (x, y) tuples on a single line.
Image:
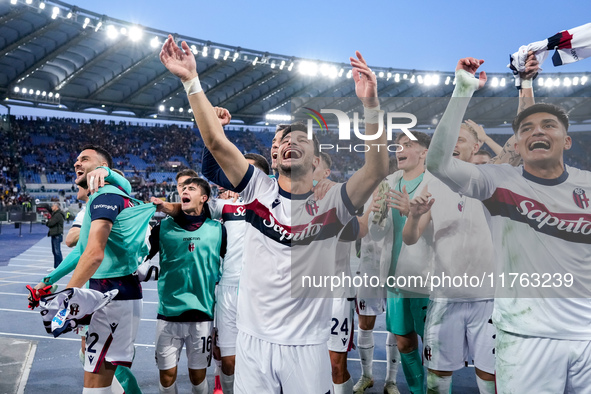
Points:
[(255, 183), (79, 217), (215, 208)]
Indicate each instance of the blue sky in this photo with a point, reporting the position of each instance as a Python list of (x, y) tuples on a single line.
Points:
[(422, 35)]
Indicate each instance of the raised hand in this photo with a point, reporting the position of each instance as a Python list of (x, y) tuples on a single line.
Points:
[(532, 66), (366, 83), (470, 65), (223, 115), (399, 200), (421, 204), (180, 62), (322, 188), (96, 179), (478, 129)]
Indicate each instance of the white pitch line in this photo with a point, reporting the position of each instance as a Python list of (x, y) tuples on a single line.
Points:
[(26, 295), (62, 284), (27, 369), (26, 311), (59, 339)]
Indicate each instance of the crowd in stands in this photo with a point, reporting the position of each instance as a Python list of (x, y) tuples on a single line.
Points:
[(44, 150)]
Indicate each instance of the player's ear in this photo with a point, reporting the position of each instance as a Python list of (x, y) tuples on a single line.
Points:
[(568, 142)]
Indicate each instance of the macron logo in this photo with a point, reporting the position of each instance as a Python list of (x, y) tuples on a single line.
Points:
[(105, 206)]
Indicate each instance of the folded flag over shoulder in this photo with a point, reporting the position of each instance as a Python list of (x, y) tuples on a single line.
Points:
[(65, 310), (570, 46)]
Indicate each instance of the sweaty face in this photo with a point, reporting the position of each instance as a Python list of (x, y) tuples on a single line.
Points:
[(296, 154), (411, 155), (466, 146), (87, 161), (179, 183), (541, 139), (192, 199)]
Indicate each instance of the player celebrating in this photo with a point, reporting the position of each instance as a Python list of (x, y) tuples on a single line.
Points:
[(534, 335), (190, 247), (282, 336)]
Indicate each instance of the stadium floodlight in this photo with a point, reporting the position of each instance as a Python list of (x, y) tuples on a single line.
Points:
[(44, 93), (282, 65), (171, 109), (204, 51), (278, 117), (31, 91), (236, 54), (575, 81), (254, 62), (290, 66), (566, 82), (37, 93), (341, 71), (557, 82), (216, 53), (273, 64), (412, 79), (55, 12), (161, 108), (541, 81), (584, 80), (435, 79), (57, 95), (181, 110), (405, 76), (226, 54), (69, 16), (495, 82), (349, 73), (135, 33), (308, 68), (396, 77), (503, 82), (86, 22), (420, 79), (41, 5), (190, 111), (194, 49), (29, 1), (447, 79), (155, 42), (50, 95), (381, 74), (16, 89), (112, 33), (98, 26), (123, 31), (12, 1)]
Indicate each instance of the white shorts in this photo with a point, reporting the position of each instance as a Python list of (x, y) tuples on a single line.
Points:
[(270, 368), (341, 325), (111, 334), (459, 331), (225, 319), (542, 365), (367, 306), (170, 338)]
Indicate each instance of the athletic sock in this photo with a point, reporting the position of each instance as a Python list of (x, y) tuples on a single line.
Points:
[(168, 390), (485, 386), (227, 383), (98, 390), (392, 358), (413, 371), (343, 388), (365, 347), (201, 388), (81, 357), (438, 384)]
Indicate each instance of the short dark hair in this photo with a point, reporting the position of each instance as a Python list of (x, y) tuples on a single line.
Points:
[(325, 157), (101, 152), (483, 152), (186, 172), (299, 126), (202, 183), (259, 161), (423, 139), (552, 109), (118, 172)]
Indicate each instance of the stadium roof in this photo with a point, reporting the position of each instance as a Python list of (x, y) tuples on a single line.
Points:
[(58, 56)]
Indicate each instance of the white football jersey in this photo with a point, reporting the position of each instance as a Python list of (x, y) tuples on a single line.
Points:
[(462, 245), (79, 217), (288, 237), (541, 231), (233, 215)]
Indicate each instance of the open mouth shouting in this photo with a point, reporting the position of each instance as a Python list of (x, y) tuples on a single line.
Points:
[(401, 159), (539, 145), (291, 153), (185, 199)]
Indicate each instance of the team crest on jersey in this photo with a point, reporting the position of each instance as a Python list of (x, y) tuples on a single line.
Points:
[(428, 353), (580, 198), (461, 206), (191, 247), (74, 309), (311, 207)]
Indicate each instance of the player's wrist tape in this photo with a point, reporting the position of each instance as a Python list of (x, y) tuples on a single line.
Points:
[(193, 86), (526, 83), (372, 115)]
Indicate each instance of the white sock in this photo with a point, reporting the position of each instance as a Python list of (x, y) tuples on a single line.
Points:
[(98, 390), (227, 382), (485, 386), (365, 347), (218, 367), (168, 390), (116, 387), (201, 388), (81, 357), (392, 357), (438, 384), (343, 388)]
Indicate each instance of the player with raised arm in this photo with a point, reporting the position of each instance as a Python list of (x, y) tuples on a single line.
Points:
[(539, 224), (282, 335)]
